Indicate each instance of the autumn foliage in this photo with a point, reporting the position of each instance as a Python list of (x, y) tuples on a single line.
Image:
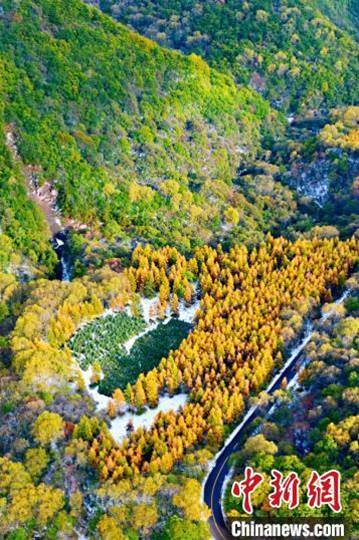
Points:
[(241, 333)]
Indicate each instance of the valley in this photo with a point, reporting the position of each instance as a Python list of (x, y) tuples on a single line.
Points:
[(179, 251)]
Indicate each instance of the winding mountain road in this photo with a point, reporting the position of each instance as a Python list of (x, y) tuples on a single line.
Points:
[(214, 483)]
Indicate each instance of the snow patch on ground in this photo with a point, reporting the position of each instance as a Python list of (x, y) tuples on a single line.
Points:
[(100, 399), (148, 306), (313, 181), (166, 403), (186, 314), (118, 427)]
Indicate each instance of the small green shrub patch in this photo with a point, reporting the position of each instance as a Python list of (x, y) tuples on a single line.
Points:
[(145, 354), (102, 339)]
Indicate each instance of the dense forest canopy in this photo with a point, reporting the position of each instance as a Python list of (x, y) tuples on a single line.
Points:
[(253, 304), (287, 50), (318, 428), (23, 232), (168, 230), (344, 13), (142, 140)]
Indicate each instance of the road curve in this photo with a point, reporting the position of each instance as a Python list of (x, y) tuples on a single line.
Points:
[(214, 482)]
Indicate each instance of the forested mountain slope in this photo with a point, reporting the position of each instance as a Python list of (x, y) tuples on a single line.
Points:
[(187, 273), (142, 140), (286, 49), (23, 232), (344, 13), (320, 158)]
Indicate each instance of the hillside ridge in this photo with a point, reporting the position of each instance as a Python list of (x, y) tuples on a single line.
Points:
[(139, 141)]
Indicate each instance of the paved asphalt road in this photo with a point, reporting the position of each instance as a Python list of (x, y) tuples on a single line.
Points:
[(214, 482)]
